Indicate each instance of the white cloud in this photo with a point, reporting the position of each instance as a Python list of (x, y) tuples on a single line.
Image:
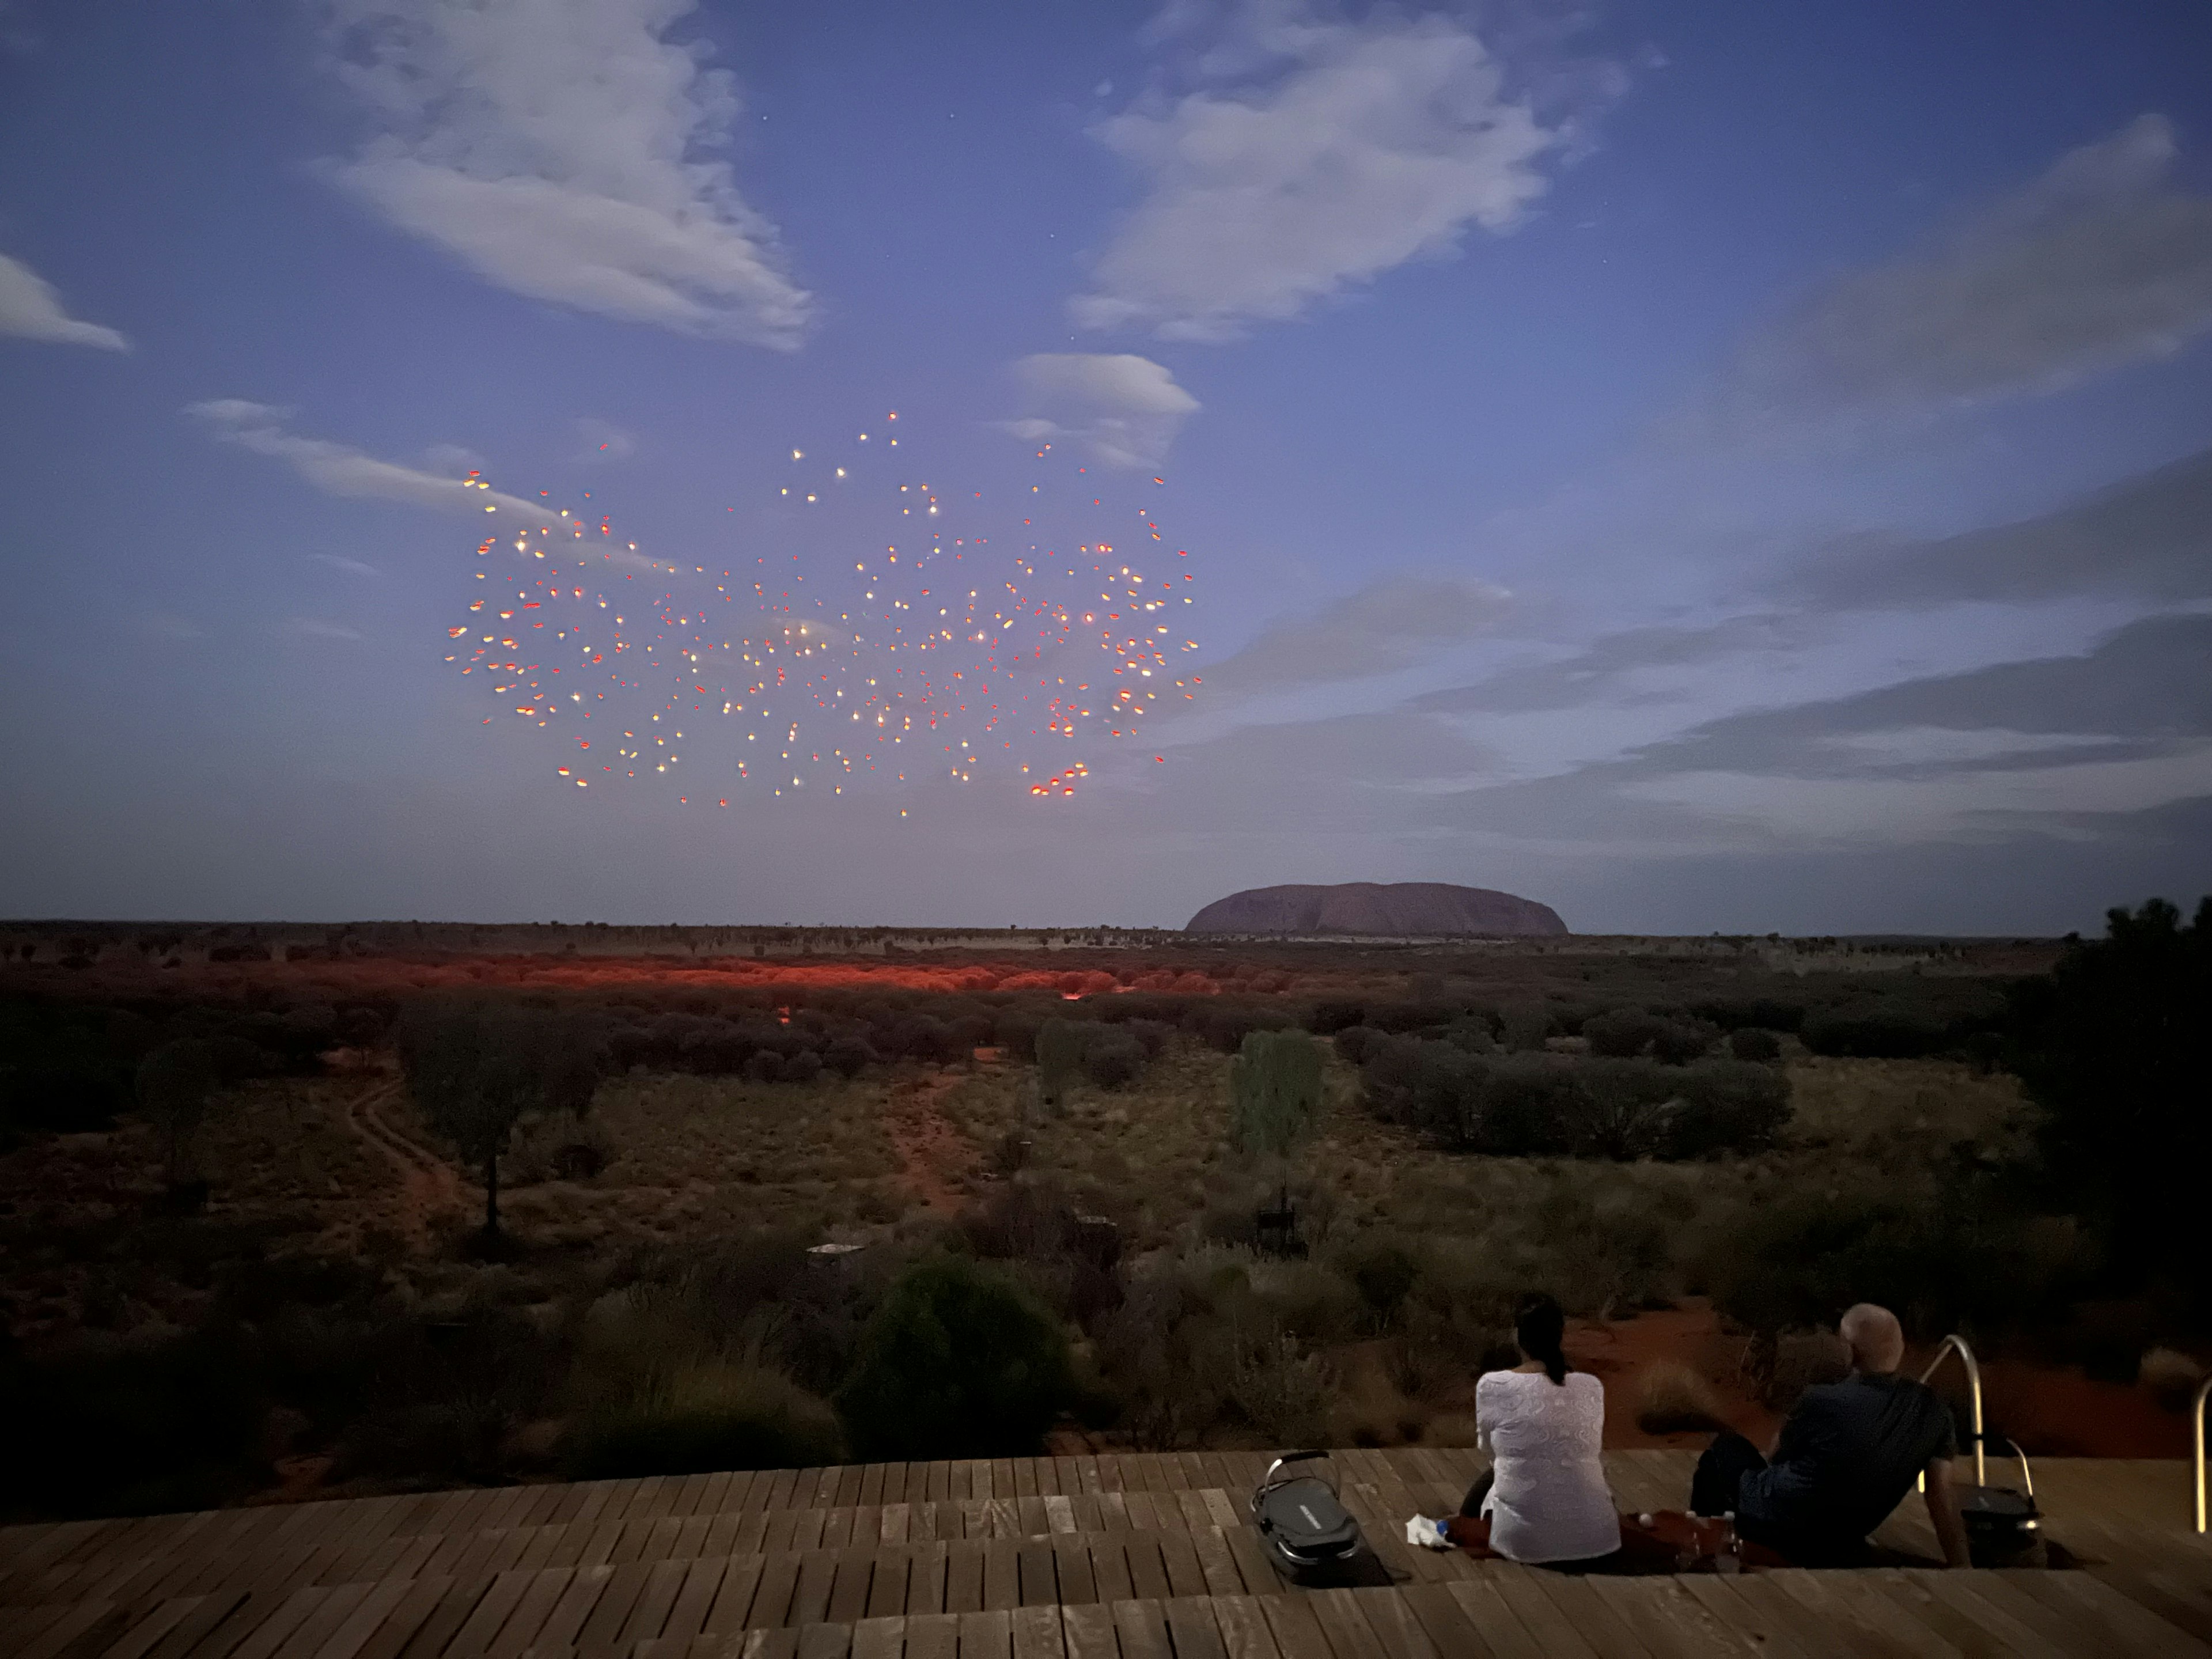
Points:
[(1354, 148), (555, 148), (1124, 410), (1390, 625), (2101, 262), (341, 470), (351, 566), (30, 307)]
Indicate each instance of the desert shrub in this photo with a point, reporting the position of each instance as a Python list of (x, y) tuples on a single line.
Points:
[(848, 1055), (1768, 1013), (1060, 1048), (59, 1072), (706, 1418), (1113, 1059), (1678, 1042), (1383, 1270), (1622, 1034), (958, 1361), (2112, 1046), (559, 1146), (1753, 1044), (1728, 1105), (802, 1067), (1015, 1029), (1224, 1024), (1329, 1018), (1522, 1026), (173, 1084), (922, 1036), (1275, 1095), (1356, 1044), (766, 1065), (1874, 1035)]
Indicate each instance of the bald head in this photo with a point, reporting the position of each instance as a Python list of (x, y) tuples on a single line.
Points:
[(1876, 1338)]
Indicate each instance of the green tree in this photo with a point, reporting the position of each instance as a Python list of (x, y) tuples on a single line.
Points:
[(959, 1360), (1274, 1092), (1060, 1044), (476, 1069), (2112, 1044), (174, 1083)]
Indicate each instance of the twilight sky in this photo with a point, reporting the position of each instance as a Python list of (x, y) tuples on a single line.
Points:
[(1730, 466)]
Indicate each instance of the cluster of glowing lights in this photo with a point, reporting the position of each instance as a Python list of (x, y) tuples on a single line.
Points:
[(952, 637)]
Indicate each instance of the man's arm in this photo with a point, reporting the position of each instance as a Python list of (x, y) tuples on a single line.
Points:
[(1943, 1514)]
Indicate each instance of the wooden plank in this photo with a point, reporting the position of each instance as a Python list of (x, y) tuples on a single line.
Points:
[(848, 1593), (1666, 1618), (879, 1637), (1072, 1571), (702, 1582), (1088, 1631), (824, 1642), (2030, 1639), (810, 1601), (1344, 1626), (779, 1582), (1813, 1633), (932, 1636), (781, 1642), (1142, 1627), (213, 1611), (164, 1617), (1185, 1575), (1038, 1574), (1244, 1631), (664, 1583), (1890, 1629), (1717, 1594), (1216, 1564), (415, 1609), (1002, 1580), (547, 1586), (924, 1581), (733, 1600), (612, 1609), (1148, 1573), (1035, 1630), (82, 1624), (887, 1588), (1297, 1634), (315, 1631), (1394, 1625), (987, 1635), (1109, 1567), (1445, 1622), (964, 1577), (1962, 1631), (1191, 1628)]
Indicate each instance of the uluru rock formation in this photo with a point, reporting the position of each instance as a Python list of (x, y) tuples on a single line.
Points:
[(1401, 909)]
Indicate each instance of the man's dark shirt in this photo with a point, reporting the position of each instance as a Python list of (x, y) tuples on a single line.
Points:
[(1848, 1453)]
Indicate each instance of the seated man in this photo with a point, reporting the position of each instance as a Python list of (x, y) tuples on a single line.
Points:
[(1843, 1461)]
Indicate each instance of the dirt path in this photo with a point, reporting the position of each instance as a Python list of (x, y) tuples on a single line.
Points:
[(429, 1186), (935, 1159)]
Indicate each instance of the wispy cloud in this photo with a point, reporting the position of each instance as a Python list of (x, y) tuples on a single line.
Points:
[(30, 308), (1121, 408), (603, 441), (314, 628), (1317, 154), (1390, 625), (558, 147), (167, 625), (2104, 260), (342, 470), (351, 566)]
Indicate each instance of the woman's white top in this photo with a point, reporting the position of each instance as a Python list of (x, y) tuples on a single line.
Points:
[(1550, 1502)]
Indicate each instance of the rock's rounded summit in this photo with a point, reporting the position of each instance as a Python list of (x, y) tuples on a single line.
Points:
[(1417, 909)]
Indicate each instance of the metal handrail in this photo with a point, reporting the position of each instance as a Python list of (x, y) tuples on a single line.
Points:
[(1974, 1392), (2197, 1438)]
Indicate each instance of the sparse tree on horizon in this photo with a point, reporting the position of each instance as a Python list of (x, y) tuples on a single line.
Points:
[(476, 1069)]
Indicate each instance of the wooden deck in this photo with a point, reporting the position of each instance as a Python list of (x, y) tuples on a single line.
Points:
[(1105, 1557)]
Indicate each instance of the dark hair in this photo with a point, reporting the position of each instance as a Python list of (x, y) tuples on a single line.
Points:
[(1539, 1327)]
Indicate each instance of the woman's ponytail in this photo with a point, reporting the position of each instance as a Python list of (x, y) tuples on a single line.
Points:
[(1541, 1329)]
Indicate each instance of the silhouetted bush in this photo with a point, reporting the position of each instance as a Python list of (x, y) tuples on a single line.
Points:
[(704, 1418), (802, 1067), (2113, 1046), (848, 1055), (958, 1361), (1749, 1042), (765, 1066), (1873, 1036), (1113, 1059)]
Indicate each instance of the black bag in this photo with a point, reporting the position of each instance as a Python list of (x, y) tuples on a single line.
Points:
[(1309, 1536)]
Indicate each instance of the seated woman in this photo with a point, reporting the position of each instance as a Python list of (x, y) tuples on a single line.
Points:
[(1547, 1499)]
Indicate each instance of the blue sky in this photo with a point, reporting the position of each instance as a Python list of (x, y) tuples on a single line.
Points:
[(1728, 467)]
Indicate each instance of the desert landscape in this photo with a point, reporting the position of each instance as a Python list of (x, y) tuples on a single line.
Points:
[(285, 1288)]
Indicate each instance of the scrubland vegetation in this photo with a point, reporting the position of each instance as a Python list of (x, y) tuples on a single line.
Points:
[(250, 1239)]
